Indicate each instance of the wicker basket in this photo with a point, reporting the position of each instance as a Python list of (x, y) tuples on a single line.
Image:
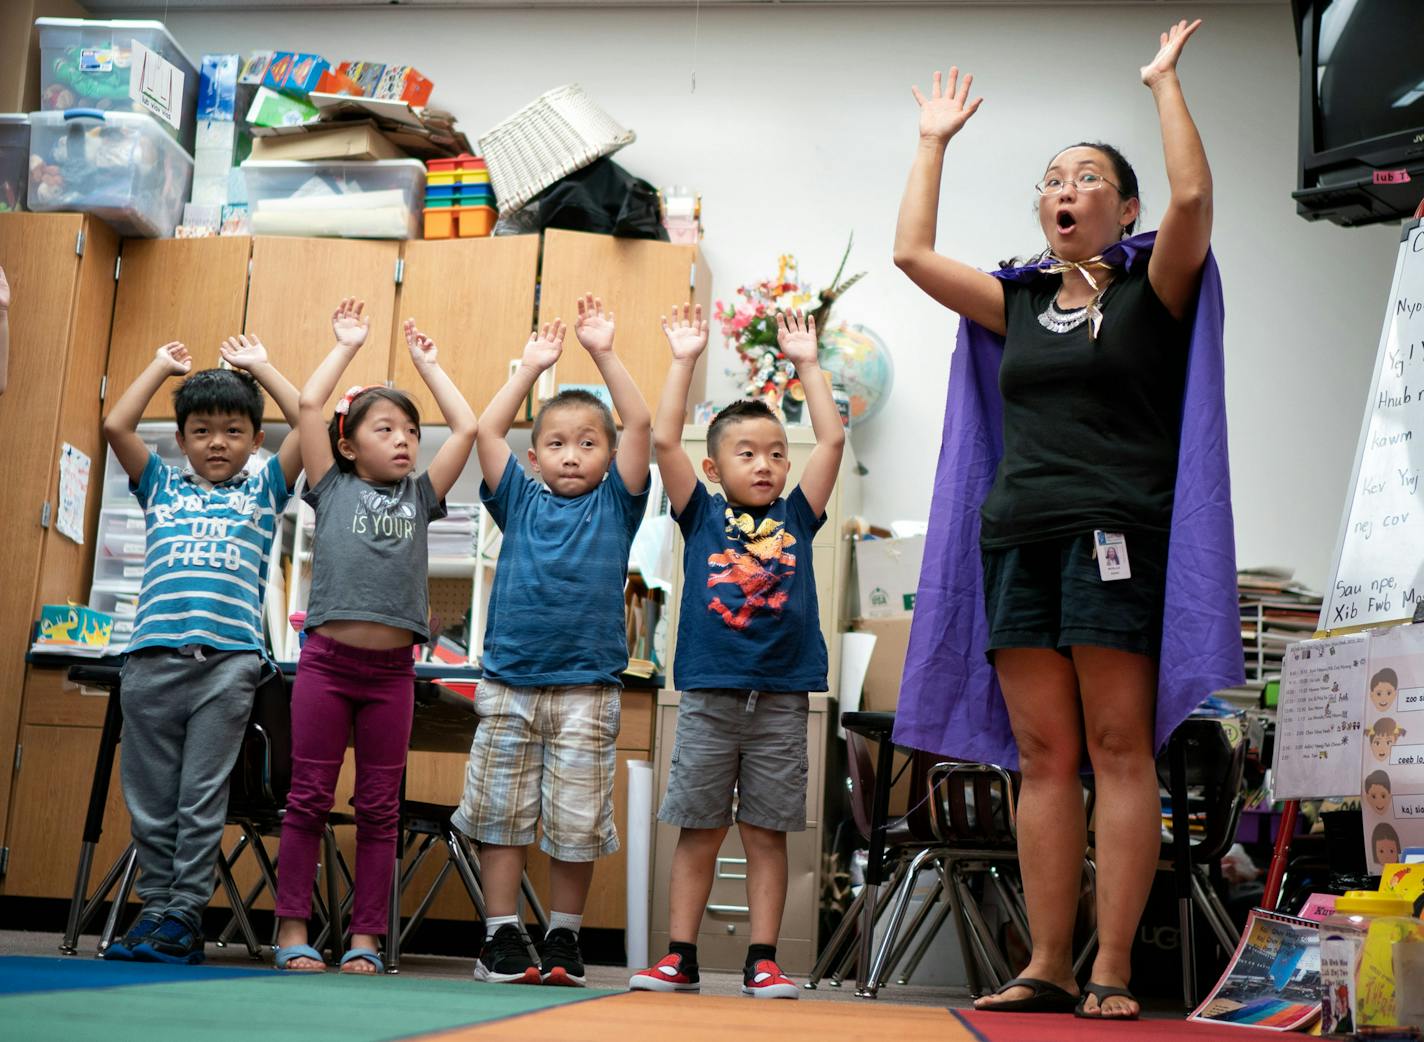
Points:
[(559, 132)]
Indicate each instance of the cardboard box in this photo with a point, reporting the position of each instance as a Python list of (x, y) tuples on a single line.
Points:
[(887, 574), (341, 141), (881, 690), (293, 73)]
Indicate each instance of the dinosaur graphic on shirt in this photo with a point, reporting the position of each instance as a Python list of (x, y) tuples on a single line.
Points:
[(751, 570)]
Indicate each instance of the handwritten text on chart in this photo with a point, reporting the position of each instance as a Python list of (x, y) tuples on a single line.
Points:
[(1409, 806), (1319, 723), (1406, 756)]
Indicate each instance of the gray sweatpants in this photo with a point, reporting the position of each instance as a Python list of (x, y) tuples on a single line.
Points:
[(184, 718)]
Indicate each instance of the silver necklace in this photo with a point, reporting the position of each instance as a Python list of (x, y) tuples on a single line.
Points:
[(1057, 321)]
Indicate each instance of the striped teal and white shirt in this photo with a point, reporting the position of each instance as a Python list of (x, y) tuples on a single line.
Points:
[(205, 565)]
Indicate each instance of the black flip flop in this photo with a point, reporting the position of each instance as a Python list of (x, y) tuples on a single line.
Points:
[(1046, 997), (1103, 992)]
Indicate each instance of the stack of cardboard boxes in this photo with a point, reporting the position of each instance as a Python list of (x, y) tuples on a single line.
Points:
[(887, 573)]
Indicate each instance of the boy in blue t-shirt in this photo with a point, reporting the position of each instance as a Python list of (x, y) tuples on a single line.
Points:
[(749, 648), (555, 646), (197, 653)]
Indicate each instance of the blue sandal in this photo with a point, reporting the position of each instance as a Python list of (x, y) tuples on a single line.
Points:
[(364, 953), (298, 951)]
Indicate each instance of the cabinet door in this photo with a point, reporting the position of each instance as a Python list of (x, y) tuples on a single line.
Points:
[(296, 285), (46, 272), (640, 280), (193, 290), (475, 299)]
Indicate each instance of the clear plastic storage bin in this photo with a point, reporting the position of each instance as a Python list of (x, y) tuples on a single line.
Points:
[(87, 65), (14, 160), (356, 199), (119, 166)]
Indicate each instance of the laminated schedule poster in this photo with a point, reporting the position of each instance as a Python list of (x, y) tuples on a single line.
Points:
[(1392, 772)]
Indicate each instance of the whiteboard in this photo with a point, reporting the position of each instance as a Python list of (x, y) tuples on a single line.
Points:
[(1378, 575)]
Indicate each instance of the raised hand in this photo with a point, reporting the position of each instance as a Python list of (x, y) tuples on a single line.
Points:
[(1172, 42), (4, 292), (175, 358), (422, 349), (545, 345), (947, 108), (796, 334), (687, 335), (594, 326), (350, 324), (243, 352)]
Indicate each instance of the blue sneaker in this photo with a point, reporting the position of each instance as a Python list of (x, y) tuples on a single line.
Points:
[(174, 941), (122, 950)]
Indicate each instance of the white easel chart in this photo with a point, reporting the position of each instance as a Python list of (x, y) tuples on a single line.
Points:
[(1320, 717), (1379, 556)]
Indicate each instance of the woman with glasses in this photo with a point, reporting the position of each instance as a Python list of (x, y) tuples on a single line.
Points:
[(1049, 620)]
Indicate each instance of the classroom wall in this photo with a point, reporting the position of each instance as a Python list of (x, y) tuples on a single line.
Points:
[(800, 131)]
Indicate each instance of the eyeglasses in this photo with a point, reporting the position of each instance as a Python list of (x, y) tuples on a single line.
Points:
[(1083, 183)]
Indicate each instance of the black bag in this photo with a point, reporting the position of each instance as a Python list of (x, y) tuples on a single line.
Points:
[(604, 198)]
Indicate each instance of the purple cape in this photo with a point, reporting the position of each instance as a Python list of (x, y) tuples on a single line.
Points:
[(950, 702)]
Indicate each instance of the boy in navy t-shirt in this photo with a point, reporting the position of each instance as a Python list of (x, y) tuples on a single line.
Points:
[(749, 647), (555, 646)]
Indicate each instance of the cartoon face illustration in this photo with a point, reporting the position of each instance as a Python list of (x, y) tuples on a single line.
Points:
[(1384, 842), (754, 571), (1383, 736), (1377, 796), (1384, 685)]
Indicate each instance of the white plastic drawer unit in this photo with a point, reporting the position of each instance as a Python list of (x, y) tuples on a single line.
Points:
[(354, 199)]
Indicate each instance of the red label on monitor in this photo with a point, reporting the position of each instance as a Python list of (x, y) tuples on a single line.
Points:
[(1391, 177)]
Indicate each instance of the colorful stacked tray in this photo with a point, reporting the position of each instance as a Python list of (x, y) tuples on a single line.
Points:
[(459, 202)]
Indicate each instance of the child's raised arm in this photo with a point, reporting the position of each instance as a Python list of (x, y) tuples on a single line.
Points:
[(543, 350), (445, 468), (687, 336), (594, 330), (121, 425), (350, 327), (797, 336), (248, 352)]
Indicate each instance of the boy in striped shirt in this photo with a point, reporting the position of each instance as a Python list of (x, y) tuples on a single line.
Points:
[(197, 653)]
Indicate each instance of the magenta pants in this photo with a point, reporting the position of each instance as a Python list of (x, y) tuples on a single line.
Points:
[(339, 691)]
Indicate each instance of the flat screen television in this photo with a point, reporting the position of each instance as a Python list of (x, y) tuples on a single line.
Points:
[(1361, 109)]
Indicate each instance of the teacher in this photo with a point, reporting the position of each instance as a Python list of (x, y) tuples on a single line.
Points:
[(1078, 589)]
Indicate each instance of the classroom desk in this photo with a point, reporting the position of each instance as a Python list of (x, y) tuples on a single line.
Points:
[(443, 721), (876, 727)]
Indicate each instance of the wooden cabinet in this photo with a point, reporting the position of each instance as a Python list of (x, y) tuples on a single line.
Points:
[(475, 299), (193, 290), (61, 273), (295, 286), (640, 280)]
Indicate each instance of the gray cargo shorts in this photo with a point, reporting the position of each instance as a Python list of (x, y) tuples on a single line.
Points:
[(747, 746)]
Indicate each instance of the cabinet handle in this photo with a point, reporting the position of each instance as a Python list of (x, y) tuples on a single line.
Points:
[(735, 861), (729, 909)]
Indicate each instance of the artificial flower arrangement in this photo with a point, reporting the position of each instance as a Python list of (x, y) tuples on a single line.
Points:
[(749, 327)]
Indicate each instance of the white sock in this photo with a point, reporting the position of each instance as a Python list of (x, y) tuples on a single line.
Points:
[(565, 921), (494, 922)]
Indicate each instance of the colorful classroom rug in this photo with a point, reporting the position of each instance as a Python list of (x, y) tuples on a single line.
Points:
[(1064, 1027), (74, 999)]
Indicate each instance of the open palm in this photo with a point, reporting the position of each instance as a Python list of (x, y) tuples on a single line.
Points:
[(1172, 42), (545, 345), (594, 326), (687, 335), (350, 324), (243, 352), (796, 335), (175, 356), (4, 291), (948, 107)]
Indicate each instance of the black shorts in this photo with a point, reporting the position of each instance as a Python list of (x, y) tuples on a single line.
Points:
[(1051, 595)]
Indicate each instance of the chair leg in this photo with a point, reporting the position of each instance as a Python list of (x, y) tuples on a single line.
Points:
[(82, 910), (983, 937), (876, 976), (847, 924), (239, 913), (121, 898), (1012, 905), (336, 933), (948, 871), (393, 907), (945, 908), (1216, 915), (467, 864), (431, 894), (230, 859), (527, 888), (851, 960), (912, 929)]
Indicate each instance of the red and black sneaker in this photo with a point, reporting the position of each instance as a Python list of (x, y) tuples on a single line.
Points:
[(766, 981), (666, 975)]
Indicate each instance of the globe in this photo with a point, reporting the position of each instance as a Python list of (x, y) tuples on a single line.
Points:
[(860, 363)]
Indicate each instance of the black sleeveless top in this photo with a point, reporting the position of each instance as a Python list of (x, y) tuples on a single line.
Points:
[(1091, 426)]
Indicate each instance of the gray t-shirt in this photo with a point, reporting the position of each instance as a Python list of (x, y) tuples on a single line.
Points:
[(369, 560)]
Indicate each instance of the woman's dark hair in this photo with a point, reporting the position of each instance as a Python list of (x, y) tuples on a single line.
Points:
[(216, 392), (360, 406), (1123, 175)]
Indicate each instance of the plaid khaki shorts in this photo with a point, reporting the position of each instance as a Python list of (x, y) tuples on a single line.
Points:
[(543, 753)]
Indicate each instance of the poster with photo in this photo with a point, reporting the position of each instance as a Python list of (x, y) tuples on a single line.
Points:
[(1392, 771)]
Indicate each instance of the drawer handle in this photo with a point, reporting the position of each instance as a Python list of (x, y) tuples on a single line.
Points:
[(734, 861), (729, 909)]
